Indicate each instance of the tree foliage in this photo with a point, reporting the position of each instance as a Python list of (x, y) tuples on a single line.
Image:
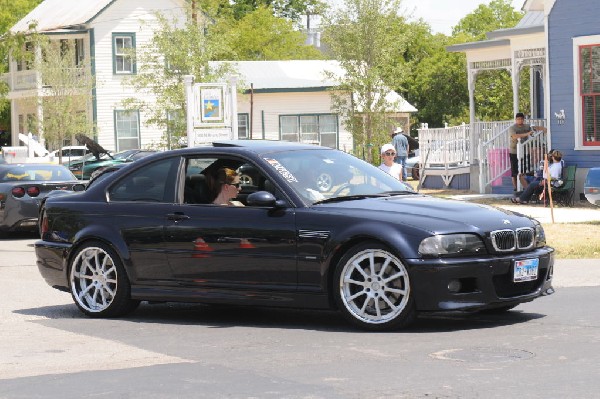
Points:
[(368, 38), (437, 83), (177, 50), (66, 97), (498, 14), (174, 51), (261, 36), (11, 11)]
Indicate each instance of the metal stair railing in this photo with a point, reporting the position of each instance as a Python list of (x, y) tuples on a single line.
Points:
[(494, 149)]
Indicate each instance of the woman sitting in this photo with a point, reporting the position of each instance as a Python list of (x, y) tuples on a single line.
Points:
[(555, 170), (227, 187)]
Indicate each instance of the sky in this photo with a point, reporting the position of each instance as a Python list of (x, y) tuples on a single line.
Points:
[(442, 15)]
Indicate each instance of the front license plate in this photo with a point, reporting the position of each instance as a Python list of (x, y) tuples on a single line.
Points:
[(526, 270)]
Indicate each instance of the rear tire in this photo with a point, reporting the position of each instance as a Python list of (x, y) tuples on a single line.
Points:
[(99, 284), (371, 287)]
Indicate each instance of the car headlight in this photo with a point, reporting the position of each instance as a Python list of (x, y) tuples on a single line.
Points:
[(451, 244), (540, 236)]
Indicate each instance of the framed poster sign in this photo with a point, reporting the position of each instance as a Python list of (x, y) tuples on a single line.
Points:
[(211, 103)]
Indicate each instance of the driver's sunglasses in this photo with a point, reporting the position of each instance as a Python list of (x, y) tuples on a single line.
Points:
[(390, 154), (236, 185)]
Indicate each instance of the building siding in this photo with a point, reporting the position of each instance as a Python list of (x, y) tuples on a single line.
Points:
[(131, 16), (267, 107), (568, 20)]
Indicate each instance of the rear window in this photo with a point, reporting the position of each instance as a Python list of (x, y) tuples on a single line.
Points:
[(36, 173)]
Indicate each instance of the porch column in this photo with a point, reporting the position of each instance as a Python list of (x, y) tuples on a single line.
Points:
[(515, 85), (472, 74), (14, 123)]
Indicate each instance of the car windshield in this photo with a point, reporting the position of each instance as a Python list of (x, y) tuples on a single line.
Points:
[(36, 173), (124, 154), (332, 175), (90, 158)]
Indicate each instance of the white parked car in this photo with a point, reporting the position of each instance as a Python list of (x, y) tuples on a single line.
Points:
[(71, 153)]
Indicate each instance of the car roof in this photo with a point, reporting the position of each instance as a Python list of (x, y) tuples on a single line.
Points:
[(262, 145)]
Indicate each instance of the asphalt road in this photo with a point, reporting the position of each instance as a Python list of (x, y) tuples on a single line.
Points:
[(549, 348)]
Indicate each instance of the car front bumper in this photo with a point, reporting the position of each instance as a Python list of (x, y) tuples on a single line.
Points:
[(484, 283)]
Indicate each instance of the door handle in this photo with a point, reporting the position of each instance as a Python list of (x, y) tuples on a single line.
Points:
[(177, 216)]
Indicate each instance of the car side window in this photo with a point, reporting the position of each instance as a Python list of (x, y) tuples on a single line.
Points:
[(201, 187), (151, 183)]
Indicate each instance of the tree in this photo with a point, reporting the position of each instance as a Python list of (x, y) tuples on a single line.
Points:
[(175, 50), (493, 89), (11, 11), (66, 95), (437, 81), (261, 36), (288, 9), (368, 37), (499, 14)]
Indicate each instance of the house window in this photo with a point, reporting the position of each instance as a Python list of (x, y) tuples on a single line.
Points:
[(589, 60), (313, 129), (243, 126), (79, 52), (123, 53), (26, 61), (127, 129)]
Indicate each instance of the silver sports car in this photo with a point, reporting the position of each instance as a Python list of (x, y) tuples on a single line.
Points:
[(22, 188)]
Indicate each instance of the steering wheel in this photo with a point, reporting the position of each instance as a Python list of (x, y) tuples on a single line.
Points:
[(342, 188)]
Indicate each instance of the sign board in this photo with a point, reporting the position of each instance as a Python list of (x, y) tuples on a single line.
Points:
[(210, 111)]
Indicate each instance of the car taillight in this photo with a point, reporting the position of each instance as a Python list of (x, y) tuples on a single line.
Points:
[(18, 192), (33, 191)]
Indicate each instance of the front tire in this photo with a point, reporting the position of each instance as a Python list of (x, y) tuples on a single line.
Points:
[(99, 284), (372, 288)]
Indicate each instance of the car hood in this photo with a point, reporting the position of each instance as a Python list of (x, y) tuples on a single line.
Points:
[(435, 215)]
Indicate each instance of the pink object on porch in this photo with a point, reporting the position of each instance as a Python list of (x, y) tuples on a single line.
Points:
[(498, 160)]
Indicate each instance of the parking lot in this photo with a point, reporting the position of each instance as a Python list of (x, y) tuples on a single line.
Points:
[(546, 348)]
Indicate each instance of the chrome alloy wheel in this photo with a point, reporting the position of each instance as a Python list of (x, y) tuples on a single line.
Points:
[(94, 279), (374, 286)]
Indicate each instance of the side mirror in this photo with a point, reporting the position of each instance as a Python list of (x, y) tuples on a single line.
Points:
[(78, 187), (264, 199)]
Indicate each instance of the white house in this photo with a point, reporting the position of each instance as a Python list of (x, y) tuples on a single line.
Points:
[(283, 100), (291, 101), (103, 31)]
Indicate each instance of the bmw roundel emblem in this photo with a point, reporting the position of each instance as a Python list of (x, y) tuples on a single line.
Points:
[(505, 221)]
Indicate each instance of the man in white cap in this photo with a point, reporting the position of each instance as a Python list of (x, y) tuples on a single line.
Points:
[(388, 152), (400, 143)]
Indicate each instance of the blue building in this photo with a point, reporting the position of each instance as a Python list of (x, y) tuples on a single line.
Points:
[(557, 43)]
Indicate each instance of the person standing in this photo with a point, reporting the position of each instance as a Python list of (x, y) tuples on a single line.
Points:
[(400, 143), (387, 162), (517, 131)]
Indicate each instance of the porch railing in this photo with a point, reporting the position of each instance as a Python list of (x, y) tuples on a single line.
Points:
[(444, 147), (493, 150), (28, 80)]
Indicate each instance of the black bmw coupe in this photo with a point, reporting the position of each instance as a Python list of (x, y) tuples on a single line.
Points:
[(368, 246)]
